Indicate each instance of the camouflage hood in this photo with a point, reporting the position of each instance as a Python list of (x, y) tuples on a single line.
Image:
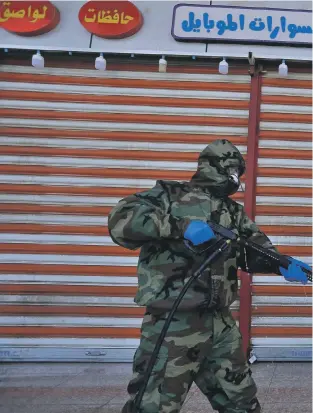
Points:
[(213, 168)]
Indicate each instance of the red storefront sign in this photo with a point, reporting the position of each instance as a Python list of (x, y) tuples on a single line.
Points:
[(28, 18), (111, 19)]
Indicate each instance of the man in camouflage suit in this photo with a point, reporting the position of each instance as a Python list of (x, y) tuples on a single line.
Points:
[(203, 343)]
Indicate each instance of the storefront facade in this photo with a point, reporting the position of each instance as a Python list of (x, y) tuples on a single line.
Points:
[(75, 140)]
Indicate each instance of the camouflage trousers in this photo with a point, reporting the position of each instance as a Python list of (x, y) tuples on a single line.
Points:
[(204, 348)]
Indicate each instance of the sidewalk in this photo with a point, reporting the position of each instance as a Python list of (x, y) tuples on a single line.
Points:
[(101, 388)]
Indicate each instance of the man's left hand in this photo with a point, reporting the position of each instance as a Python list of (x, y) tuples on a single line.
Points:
[(295, 272)]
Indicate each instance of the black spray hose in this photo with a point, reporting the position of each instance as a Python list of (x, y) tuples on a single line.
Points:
[(221, 246), (281, 259)]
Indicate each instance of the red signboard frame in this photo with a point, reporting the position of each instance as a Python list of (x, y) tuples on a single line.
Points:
[(111, 19), (28, 18)]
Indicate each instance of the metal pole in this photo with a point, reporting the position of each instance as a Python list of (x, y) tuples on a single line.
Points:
[(245, 311)]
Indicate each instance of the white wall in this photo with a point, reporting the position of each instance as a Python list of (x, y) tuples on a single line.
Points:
[(68, 35), (271, 52), (155, 35), (303, 5)]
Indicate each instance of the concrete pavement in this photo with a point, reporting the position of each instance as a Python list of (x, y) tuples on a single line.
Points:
[(101, 388)]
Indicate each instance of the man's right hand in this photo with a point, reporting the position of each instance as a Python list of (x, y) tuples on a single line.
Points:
[(198, 232)]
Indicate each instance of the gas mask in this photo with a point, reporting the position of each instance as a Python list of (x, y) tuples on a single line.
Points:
[(233, 177)]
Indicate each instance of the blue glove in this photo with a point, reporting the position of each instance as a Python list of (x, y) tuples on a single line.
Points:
[(199, 232), (294, 271)]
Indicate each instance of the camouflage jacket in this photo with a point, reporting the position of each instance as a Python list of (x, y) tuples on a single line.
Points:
[(155, 221)]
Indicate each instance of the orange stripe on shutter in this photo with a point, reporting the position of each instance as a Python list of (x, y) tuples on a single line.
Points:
[(286, 100), (98, 172), (103, 230), (284, 191), (286, 230), (281, 331), (285, 153), (126, 291), (285, 172), (270, 210), (73, 310), (285, 135), (282, 290), (286, 117), (137, 173), (123, 192), (54, 229), (129, 83), (69, 310), (125, 117), (96, 290), (67, 249), (278, 311), (111, 250), (65, 269), (95, 191), (286, 83), (293, 250), (101, 153), (144, 155), (120, 136), (282, 210), (126, 100), (101, 332), (126, 332), (67, 190), (55, 209)]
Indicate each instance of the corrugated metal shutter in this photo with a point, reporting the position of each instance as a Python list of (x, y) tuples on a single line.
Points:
[(281, 323), (73, 142)]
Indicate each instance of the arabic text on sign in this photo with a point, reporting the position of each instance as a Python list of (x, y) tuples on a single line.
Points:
[(105, 17), (31, 13), (194, 24)]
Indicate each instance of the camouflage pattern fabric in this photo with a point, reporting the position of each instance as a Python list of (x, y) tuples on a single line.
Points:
[(155, 221), (203, 343), (204, 348)]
